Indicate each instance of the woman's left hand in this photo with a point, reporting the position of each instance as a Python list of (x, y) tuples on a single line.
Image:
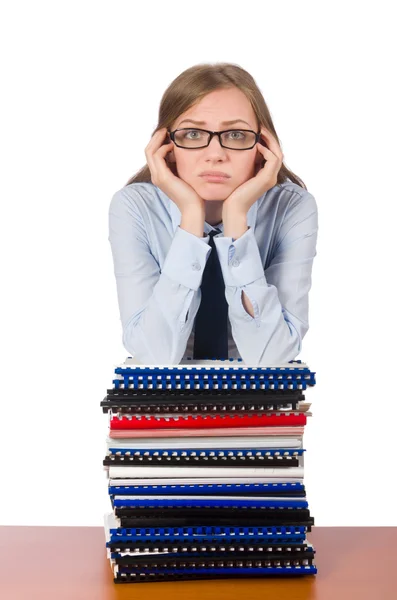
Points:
[(244, 196)]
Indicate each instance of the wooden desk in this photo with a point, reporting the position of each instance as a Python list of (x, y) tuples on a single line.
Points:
[(70, 563)]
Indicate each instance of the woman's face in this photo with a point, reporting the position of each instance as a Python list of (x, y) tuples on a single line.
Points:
[(214, 109)]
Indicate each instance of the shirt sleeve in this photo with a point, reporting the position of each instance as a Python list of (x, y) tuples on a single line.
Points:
[(279, 294), (157, 307)]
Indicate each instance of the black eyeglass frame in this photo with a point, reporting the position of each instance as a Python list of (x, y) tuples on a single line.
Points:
[(212, 133)]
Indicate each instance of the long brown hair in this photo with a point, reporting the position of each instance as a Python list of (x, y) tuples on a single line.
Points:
[(198, 81)]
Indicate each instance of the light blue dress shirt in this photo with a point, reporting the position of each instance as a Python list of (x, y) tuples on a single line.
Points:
[(159, 268)]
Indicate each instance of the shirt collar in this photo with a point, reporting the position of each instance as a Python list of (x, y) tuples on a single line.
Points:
[(176, 215)]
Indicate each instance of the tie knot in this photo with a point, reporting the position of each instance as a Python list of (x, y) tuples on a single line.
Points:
[(214, 232)]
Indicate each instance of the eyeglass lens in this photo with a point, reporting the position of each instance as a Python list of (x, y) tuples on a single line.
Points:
[(196, 138)]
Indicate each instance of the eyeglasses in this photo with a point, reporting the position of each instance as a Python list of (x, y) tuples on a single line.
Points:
[(233, 139)]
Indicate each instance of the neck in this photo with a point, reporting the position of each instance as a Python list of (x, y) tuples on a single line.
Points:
[(213, 212)]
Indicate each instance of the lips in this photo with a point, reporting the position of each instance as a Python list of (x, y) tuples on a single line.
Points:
[(214, 178), (214, 174)]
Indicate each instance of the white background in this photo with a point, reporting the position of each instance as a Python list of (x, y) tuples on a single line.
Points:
[(82, 82)]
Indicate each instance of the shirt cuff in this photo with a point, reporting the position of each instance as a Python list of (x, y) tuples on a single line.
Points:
[(240, 259), (186, 258)]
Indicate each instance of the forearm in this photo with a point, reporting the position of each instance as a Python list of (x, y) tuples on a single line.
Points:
[(247, 304), (192, 221), (159, 333), (268, 313), (272, 334), (235, 225)]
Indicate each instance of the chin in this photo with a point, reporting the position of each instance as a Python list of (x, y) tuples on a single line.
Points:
[(213, 195), (214, 190)]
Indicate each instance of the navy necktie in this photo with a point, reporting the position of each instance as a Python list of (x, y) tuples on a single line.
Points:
[(210, 333)]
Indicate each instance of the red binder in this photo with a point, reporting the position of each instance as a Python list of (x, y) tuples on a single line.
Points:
[(207, 421)]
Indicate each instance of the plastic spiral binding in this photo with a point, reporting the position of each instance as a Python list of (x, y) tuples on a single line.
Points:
[(207, 502), (234, 534), (294, 376), (196, 574), (152, 515), (246, 401), (235, 558), (182, 512), (253, 489), (223, 548), (214, 383), (206, 452), (198, 421)]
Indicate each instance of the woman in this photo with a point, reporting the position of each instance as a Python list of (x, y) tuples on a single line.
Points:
[(209, 266)]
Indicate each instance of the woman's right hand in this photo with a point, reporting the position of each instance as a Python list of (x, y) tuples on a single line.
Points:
[(184, 196)]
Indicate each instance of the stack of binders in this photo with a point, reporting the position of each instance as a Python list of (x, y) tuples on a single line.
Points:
[(205, 467)]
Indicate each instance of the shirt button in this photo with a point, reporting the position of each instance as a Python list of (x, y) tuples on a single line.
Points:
[(196, 267), (235, 262)]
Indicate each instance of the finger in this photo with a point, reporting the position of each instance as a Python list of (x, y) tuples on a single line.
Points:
[(271, 166), (154, 146), (157, 139), (272, 143), (161, 168), (268, 154), (161, 153), (162, 150)]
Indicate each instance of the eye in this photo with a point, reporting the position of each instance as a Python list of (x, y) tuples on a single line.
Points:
[(239, 134), (192, 131)]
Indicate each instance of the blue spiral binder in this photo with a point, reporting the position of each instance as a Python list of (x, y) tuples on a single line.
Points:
[(185, 548)]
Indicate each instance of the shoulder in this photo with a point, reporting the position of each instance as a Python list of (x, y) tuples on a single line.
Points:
[(134, 193), (143, 198), (291, 208), (287, 202), (296, 196), (298, 213)]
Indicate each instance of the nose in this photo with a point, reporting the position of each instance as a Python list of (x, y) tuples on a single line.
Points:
[(214, 148)]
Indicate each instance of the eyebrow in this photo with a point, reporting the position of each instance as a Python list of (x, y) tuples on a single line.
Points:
[(222, 123)]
